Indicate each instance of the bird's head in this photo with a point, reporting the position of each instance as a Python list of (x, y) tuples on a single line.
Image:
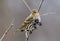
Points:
[(34, 11)]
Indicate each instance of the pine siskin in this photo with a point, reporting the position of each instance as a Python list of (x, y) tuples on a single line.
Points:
[(33, 17)]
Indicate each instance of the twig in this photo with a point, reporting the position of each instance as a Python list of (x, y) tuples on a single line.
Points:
[(7, 30), (27, 5)]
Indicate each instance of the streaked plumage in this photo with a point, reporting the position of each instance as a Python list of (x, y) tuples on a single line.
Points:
[(34, 15)]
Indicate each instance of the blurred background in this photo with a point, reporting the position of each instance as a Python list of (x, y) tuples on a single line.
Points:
[(50, 29)]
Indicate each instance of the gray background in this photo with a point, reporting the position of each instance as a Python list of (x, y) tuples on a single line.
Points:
[(49, 31)]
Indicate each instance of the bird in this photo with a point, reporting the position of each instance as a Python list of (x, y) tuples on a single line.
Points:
[(33, 18)]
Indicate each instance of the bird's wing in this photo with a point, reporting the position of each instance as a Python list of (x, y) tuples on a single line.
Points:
[(28, 20)]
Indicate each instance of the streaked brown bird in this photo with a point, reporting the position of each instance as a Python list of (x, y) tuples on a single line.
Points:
[(34, 15)]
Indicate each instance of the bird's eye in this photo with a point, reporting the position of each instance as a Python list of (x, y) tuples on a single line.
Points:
[(34, 12)]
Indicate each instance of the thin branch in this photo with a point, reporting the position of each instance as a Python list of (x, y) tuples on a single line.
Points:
[(48, 14), (40, 5), (27, 5), (7, 30)]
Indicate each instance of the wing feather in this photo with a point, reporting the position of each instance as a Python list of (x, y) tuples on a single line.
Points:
[(27, 22)]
